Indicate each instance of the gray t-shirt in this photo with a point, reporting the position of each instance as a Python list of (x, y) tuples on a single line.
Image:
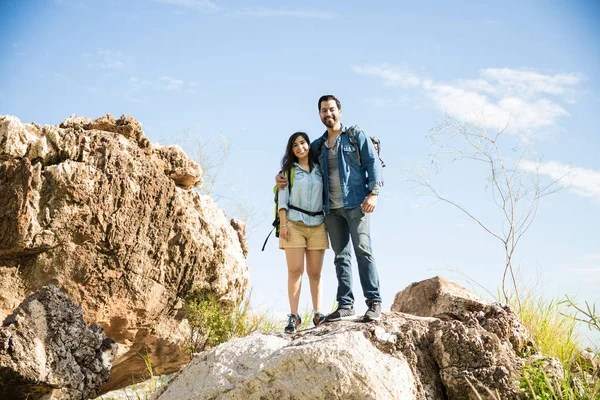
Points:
[(335, 187)]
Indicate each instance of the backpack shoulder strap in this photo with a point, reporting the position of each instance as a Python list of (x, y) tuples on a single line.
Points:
[(352, 135), (290, 175)]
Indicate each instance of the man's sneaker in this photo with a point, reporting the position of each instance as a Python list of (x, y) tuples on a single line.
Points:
[(374, 312), (340, 314), (318, 318), (294, 322)]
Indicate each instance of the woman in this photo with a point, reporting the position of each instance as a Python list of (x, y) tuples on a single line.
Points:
[(302, 229)]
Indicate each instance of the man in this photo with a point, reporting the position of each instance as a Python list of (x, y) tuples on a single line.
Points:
[(352, 178)]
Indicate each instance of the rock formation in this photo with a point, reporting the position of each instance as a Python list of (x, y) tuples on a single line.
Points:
[(92, 207), (47, 351), (458, 348)]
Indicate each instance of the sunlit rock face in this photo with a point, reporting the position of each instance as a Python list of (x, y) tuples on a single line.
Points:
[(93, 207), (456, 347)]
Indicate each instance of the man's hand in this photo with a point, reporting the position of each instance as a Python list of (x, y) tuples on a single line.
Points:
[(281, 180), (368, 206)]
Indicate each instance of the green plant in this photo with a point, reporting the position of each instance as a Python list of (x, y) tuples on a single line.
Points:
[(553, 329), (213, 322), (590, 316), (210, 323), (537, 385), (142, 390)]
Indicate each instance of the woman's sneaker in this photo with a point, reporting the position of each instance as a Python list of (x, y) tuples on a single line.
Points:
[(318, 318), (340, 314), (294, 322)]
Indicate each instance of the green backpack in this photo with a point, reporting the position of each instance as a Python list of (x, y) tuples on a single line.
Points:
[(276, 222)]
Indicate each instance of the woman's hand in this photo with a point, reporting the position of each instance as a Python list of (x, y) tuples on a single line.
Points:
[(284, 232)]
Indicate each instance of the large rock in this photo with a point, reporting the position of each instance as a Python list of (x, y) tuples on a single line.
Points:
[(475, 350), (92, 207), (341, 364), (436, 297), (47, 351)]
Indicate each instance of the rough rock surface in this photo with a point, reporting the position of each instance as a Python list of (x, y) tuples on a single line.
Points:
[(94, 208), (461, 356), (436, 297), (274, 367), (47, 351)]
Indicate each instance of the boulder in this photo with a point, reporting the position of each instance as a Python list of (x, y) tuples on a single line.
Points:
[(93, 207), (469, 353), (341, 364), (436, 297), (48, 352)]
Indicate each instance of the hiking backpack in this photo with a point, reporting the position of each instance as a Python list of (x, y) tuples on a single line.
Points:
[(352, 134), (276, 223)]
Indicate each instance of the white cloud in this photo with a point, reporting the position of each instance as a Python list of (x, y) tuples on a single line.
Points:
[(391, 75), (168, 83), (527, 115), (389, 102), (200, 5), (527, 83), (501, 94), (285, 13), (104, 59), (584, 182), (465, 104)]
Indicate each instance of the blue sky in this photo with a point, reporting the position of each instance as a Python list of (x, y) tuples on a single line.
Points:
[(191, 70)]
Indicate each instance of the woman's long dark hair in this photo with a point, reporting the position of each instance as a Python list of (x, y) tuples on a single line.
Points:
[(289, 158)]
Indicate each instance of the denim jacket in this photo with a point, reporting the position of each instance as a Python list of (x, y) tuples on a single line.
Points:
[(306, 193), (358, 179)]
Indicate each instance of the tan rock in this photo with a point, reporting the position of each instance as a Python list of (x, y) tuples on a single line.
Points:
[(94, 208), (436, 297), (464, 355)]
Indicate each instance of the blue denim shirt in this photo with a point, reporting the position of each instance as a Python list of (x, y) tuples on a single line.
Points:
[(306, 193), (357, 179)]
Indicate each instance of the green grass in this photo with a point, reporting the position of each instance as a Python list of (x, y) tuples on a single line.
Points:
[(552, 327), (552, 324), (212, 323)]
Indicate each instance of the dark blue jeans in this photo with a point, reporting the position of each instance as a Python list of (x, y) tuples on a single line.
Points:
[(343, 225)]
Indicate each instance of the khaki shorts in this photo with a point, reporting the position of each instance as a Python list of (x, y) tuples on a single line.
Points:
[(305, 237)]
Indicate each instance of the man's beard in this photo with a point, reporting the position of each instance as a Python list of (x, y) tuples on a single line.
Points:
[(329, 122)]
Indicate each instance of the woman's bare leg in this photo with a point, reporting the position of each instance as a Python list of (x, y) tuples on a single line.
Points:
[(295, 265), (314, 266)]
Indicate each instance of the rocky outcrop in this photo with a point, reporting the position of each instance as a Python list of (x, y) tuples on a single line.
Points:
[(470, 350), (47, 351), (93, 207)]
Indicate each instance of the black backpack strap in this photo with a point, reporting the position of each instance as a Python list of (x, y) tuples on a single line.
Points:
[(268, 236), (311, 213), (352, 134)]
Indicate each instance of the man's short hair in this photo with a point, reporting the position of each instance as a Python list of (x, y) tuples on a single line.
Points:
[(328, 97)]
